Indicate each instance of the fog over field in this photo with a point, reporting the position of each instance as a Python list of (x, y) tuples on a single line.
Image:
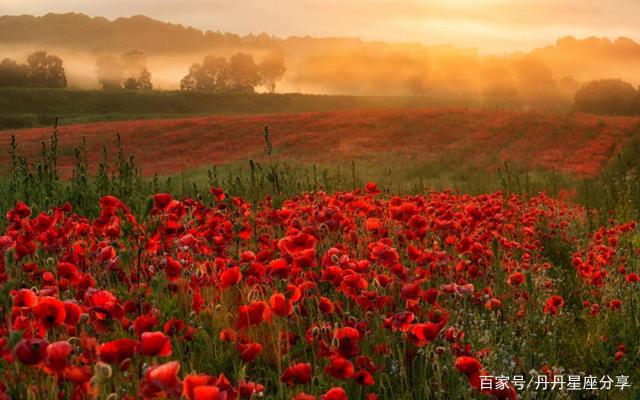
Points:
[(549, 74)]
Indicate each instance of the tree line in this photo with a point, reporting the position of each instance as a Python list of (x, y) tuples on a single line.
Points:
[(239, 73), (40, 70)]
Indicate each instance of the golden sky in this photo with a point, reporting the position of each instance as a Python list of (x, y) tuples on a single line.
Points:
[(492, 26)]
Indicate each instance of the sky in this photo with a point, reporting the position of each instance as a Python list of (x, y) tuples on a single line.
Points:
[(491, 26)]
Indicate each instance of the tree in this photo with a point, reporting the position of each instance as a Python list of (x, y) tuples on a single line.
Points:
[(109, 71), (498, 87), (536, 85), (239, 74), (13, 74), (416, 85), (190, 81), (607, 96), (128, 71), (45, 70), (271, 70), (140, 82), (136, 74), (243, 73), (144, 80), (212, 74), (217, 73)]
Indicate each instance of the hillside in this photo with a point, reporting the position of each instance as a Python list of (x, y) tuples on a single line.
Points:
[(578, 145), (80, 32)]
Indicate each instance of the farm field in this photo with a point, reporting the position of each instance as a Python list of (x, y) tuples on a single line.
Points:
[(578, 145)]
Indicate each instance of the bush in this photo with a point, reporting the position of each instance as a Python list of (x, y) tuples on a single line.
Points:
[(608, 96)]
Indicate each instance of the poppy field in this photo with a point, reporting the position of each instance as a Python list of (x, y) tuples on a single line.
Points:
[(575, 144), (355, 294)]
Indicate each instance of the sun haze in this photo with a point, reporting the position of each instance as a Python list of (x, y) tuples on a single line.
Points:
[(491, 26)]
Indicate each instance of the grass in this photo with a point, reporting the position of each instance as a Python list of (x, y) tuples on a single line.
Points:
[(33, 107)]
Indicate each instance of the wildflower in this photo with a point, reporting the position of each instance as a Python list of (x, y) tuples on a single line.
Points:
[(297, 374), (155, 344), (30, 351)]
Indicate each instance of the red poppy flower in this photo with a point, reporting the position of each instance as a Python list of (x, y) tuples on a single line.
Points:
[(372, 224), (228, 335), (422, 334), (73, 312), (304, 396), (155, 344), (208, 393), (348, 339), (20, 211), (161, 200), (249, 351), (207, 387), (57, 356), (401, 321), (339, 368), (250, 390), (364, 378), (218, 193), (381, 251), (68, 271), (109, 202), (516, 279), (77, 375), (118, 350), (173, 327), (30, 351), (161, 380), (280, 305), (468, 365), (173, 268), (50, 312), (552, 304), (25, 298), (326, 306), (279, 267), (335, 393), (296, 242), (615, 304), (230, 277), (493, 304), (372, 188), (253, 314), (297, 374), (193, 381), (144, 323)]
